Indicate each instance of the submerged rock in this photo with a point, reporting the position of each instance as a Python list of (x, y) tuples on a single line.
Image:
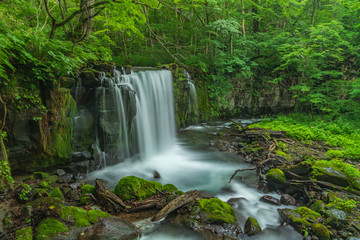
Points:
[(270, 200), (252, 227)]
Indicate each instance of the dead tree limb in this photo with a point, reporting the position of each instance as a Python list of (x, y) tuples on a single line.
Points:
[(240, 170), (108, 199)]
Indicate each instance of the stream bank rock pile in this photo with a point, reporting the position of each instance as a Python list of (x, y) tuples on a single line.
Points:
[(326, 191), (50, 207)]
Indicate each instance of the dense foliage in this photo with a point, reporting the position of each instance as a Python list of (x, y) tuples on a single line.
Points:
[(310, 45)]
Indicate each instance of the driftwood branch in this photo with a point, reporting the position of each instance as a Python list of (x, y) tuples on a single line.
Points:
[(240, 170), (175, 204), (108, 199)]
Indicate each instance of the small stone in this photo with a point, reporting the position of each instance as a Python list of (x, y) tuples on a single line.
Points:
[(60, 172), (287, 199), (270, 200), (157, 174), (252, 227)]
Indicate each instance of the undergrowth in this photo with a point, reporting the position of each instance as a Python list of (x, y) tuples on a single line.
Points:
[(341, 133)]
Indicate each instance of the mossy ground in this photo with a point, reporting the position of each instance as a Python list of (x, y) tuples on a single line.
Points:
[(24, 234), (49, 227)]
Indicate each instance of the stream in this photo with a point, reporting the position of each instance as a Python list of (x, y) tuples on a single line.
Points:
[(190, 163)]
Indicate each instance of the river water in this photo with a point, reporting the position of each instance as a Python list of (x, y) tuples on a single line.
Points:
[(190, 164), (184, 159)]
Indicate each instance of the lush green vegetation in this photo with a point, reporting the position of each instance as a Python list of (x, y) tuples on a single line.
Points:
[(342, 133)]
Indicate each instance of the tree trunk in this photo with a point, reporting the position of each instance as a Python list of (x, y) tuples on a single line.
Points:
[(86, 18)]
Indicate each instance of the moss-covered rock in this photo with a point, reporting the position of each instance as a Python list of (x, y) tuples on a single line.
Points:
[(276, 178), (76, 215), (56, 193), (24, 234), (40, 175), (48, 228), (318, 206), (81, 217), (301, 218), (213, 211), (94, 215), (321, 231), (252, 227), (132, 187), (86, 189), (170, 188), (47, 205)]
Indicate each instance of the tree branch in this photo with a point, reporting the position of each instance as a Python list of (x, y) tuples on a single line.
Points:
[(5, 113), (144, 4)]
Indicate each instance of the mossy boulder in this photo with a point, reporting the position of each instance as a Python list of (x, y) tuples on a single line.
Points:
[(46, 205), (86, 189), (252, 227), (276, 178), (24, 234), (81, 217), (56, 193), (213, 211), (318, 206), (300, 218), (132, 187), (49, 227), (321, 231)]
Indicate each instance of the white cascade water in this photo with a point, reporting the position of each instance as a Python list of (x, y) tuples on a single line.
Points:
[(192, 101)]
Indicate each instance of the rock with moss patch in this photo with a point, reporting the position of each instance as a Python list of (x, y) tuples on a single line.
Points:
[(24, 234), (252, 227), (321, 231), (94, 215), (318, 206), (45, 206), (82, 218), (336, 217), (49, 227), (132, 187), (276, 178), (300, 218), (56, 193), (213, 211), (40, 175), (85, 190)]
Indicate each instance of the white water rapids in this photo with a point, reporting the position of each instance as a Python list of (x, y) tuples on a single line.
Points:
[(187, 161)]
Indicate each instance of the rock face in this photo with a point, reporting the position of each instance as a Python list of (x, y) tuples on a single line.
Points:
[(46, 142)]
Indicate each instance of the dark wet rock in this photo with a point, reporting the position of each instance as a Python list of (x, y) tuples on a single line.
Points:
[(237, 201), (252, 227), (332, 176), (111, 228), (336, 217), (156, 174), (104, 67), (287, 199), (270, 200), (321, 231), (89, 79), (205, 194), (66, 178)]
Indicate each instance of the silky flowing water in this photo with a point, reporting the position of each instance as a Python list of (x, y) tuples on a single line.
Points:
[(187, 161)]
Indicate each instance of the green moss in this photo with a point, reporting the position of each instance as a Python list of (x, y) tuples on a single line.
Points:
[(308, 216), (49, 227), (170, 188), (321, 231), (94, 215), (215, 211), (24, 234), (46, 205), (40, 175), (276, 178), (345, 205), (86, 189), (44, 184), (132, 187), (56, 193), (76, 214), (283, 155), (318, 206)]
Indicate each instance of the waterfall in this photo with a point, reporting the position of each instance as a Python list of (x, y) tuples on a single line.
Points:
[(192, 100), (130, 114)]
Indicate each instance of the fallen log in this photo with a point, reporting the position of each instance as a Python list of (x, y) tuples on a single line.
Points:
[(240, 170), (108, 199), (175, 204), (149, 203)]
